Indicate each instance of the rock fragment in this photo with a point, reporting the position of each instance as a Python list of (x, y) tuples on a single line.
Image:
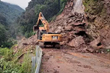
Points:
[(78, 41)]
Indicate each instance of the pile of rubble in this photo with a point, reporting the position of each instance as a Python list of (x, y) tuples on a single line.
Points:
[(73, 27), (26, 44)]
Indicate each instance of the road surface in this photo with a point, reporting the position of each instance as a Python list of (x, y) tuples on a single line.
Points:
[(68, 61)]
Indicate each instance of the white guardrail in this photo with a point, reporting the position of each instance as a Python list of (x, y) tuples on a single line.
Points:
[(36, 61)]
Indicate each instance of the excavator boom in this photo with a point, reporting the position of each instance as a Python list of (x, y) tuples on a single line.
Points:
[(41, 19)]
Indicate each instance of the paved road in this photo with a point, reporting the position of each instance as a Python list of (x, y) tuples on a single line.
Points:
[(68, 61)]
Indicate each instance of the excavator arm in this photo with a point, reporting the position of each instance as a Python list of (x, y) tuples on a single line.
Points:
[(41, 20)]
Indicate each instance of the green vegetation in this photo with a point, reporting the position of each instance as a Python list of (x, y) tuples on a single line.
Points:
[(10, 12), (94, 7), (106, 51), (96, 12), (8, 28), (5, 40), (98, 18), (49, 8), (2, 34), (8, 64)]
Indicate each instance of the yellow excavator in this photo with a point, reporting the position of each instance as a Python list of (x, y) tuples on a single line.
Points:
[(43, 34)]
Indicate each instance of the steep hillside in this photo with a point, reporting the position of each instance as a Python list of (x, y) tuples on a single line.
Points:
[(10, 12), (3, 20), (98, 18), (8, 28)]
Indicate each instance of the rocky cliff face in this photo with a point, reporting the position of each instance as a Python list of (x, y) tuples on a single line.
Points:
[(98, 17)]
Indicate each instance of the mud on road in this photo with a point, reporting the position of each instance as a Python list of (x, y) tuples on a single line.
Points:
[(68, 61)]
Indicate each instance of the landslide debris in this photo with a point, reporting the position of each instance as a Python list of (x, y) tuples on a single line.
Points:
[(98, 17), (73, 26), (26, 44)]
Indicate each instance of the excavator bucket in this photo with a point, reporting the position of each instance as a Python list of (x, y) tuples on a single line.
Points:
[(35, 28)]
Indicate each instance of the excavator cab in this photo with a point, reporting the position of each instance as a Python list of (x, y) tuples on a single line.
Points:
[(43, 34)]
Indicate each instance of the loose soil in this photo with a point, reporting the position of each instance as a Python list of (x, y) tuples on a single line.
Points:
[(68, 61)]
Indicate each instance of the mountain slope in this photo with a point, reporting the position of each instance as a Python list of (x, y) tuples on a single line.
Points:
[(8, 27), (98, 17), (9, 11)]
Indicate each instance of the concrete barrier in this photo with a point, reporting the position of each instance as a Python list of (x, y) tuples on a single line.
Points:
[(36, 61)]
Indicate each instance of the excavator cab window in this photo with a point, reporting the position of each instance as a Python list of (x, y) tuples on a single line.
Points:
[(40, 33), (40, 24)]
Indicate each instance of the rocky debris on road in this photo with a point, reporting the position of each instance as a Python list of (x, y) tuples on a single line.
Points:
[(28, 41), (68, 61), (26, 44), (96, 43), (78, 41)]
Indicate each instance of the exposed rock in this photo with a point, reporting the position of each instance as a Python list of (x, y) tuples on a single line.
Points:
[(96, 44), (91, 50), (70, 20), (78, 41), (59, 29), (105, 36), (63, 43), (68, 28), (78, 29), (30, 41)]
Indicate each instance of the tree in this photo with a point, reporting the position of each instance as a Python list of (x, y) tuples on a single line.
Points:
[(2, 20), (59, 5), (3, 37)]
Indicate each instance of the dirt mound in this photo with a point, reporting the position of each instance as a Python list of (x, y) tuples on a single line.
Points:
[(26, 44), (30, 41)]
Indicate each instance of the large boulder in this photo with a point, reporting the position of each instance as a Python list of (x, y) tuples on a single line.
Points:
[(59, 29), (78, 41), (68, 28), (96, 44)]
